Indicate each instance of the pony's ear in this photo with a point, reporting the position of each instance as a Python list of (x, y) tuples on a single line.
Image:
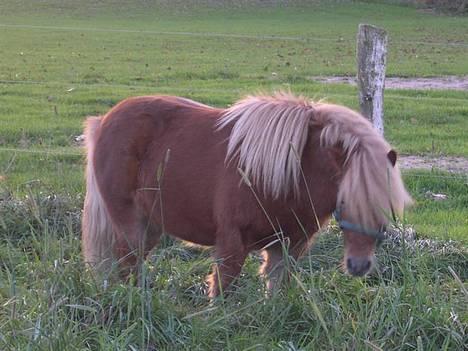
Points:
[(392, 156)]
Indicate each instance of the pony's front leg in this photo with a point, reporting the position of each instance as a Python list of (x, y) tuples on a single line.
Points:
[(273, 268), (276, 261), (229, 255)]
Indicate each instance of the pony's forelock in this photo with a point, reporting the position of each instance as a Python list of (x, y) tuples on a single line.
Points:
[(371, 189)]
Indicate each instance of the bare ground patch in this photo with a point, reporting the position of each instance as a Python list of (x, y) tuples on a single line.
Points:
[(452, 164), (438, 83)]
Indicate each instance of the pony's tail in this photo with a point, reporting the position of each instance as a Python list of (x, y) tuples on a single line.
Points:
[(97, 232)]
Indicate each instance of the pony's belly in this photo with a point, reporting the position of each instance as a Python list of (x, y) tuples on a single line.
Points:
[(202, 239), (188, 225)]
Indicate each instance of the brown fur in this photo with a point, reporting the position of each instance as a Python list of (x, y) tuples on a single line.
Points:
[(156, 164)]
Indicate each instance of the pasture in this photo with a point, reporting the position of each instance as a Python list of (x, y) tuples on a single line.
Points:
[(61, 61)]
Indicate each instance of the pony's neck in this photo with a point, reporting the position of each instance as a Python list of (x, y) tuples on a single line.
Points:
[(322, 172)]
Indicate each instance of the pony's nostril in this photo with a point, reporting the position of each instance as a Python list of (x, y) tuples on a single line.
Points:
[(358, 266)]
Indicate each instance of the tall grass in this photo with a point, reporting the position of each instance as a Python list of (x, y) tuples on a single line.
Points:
[(416, 301)]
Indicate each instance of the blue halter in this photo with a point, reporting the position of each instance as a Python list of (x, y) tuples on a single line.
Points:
[(356, 228)]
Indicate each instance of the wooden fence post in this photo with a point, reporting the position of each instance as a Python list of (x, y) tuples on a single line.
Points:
[(371, 60)]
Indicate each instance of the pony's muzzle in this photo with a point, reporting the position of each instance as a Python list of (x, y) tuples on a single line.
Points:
[(358, 266)]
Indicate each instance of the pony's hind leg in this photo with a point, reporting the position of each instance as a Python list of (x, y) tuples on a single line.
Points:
[(133, 241), (229, 255), (117, 170), (115, 229)]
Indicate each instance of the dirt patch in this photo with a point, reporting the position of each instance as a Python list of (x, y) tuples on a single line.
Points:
[(446, 163), (439, 83)]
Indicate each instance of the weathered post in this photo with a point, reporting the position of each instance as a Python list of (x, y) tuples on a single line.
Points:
[(371, 60)]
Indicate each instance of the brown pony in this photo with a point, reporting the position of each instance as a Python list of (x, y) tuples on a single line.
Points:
[(264, 174)]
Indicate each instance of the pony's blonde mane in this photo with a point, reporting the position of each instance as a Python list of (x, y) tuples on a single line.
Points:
[(268, 137)]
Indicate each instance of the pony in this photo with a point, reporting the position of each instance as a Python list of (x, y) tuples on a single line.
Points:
[(270, 170)]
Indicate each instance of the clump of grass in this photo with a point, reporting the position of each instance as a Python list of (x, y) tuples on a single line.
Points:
[(38, 211)]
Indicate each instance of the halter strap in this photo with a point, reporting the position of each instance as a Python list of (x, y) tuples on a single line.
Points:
[(346, 225)]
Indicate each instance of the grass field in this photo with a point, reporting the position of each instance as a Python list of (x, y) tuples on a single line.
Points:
[(63, 60)]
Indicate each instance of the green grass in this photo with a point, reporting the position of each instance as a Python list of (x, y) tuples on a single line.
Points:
[(85, 55), (50, 115), (447, 219), (51, 78), (103, 66)]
